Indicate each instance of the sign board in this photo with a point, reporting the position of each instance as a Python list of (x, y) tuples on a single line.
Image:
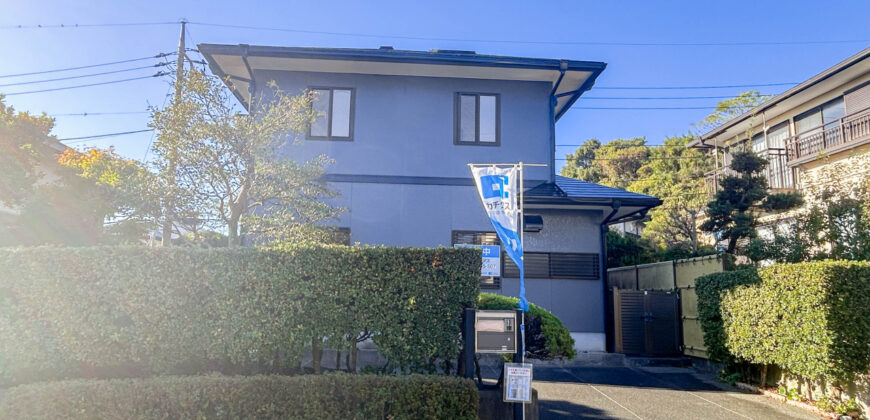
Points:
[(495, 332), (518, 382), (491, 264)]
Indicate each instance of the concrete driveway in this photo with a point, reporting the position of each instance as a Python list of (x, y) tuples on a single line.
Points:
[(605, 392)]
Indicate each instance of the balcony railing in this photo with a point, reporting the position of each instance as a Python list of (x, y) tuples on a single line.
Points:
[(779, 175), (848, 131)]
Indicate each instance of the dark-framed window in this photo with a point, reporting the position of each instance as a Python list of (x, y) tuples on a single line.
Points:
[(333, 113), (477, 119), (470, 237), (820, 118)]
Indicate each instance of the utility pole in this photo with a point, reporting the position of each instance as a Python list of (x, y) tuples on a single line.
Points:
[(169, 203)]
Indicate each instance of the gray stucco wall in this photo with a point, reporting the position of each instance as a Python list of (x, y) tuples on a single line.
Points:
[(578, 303), (409, 215), (403, 125)]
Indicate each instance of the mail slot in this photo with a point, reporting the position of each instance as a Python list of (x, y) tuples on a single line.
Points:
[(495, 332)]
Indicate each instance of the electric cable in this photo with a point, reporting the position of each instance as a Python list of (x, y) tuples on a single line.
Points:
[(158, 74), (161, 55)]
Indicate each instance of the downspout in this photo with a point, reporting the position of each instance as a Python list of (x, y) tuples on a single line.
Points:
[(252, 87), (608, 327), (563, 67)]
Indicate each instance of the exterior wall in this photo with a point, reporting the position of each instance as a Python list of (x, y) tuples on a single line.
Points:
[(851, 167), (404, 126), (405, 183), (408, 215), (578, 303)]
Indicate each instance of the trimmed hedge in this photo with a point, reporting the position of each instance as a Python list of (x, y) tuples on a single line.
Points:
[(254, 397), (812, 319), (133, 311), (709, 290), (546, 337)]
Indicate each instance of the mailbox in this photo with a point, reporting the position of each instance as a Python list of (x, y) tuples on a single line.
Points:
[(495, 332)]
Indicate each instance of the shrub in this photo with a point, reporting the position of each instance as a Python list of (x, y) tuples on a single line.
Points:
[(133, 311), (260, 397), (546, 337), (808, 318), (709, 291)]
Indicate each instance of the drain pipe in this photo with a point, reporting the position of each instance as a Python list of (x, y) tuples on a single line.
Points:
[(608, 328)]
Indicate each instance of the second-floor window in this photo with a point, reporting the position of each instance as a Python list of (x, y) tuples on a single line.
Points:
[(820, 118), (476, 119), (333, 114)]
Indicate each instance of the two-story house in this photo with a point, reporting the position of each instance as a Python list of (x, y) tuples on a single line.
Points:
[(402, 126), (821, 125)]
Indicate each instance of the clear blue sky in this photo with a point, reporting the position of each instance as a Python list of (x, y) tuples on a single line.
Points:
[(27, 50)]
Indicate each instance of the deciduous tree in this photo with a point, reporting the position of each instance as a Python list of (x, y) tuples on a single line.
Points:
[(232, 167)]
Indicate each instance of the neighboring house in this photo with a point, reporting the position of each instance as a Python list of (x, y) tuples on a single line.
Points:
[(402, 127), (632, 227), (817, 128)]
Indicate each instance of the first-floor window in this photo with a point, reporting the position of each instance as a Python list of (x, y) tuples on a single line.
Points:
[(466, 237), (333, 114)]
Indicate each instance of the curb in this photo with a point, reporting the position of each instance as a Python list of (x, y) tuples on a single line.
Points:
[(799, 404)]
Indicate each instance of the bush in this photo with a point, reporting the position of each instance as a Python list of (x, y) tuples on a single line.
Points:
[(709, 290), (260, 397), (812, 319), (546, 337), (133, 311)]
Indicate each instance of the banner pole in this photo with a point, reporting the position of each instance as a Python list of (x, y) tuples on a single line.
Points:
[(521, 227)]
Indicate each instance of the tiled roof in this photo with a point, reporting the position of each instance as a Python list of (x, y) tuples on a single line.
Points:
[(575, 188)]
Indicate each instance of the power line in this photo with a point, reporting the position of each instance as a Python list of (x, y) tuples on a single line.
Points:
[(161, 55), (85, 25), (158, 74), (84, 75), (97, 136), (694, 87), (503, 41)]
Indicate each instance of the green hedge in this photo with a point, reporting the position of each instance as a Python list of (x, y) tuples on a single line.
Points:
[(134, 311), (253, 397), (709, 290), (812, 319), (546, 337)]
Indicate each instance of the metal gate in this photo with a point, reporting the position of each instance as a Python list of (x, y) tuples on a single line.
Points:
[(646, 322)]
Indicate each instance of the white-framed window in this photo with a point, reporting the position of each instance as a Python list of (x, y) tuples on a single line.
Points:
[(477, 119), (333, 113)]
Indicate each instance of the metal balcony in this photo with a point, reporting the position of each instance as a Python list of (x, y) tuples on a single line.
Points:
[(847, 132), (779, 175)]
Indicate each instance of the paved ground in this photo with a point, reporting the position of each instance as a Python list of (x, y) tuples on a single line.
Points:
[(606, 392)]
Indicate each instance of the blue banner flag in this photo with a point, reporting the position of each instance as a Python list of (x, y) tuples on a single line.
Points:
[(498, 191)]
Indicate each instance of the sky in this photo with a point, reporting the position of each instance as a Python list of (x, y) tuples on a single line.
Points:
[(782, 42)]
